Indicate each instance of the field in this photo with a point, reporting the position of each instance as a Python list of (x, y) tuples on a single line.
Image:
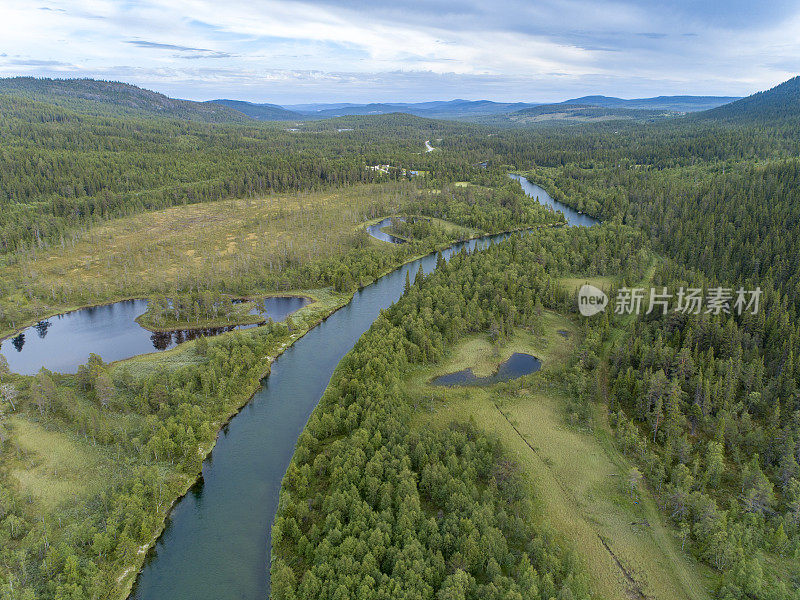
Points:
[(54, 468), (572, 284), (579, 480), (200, 244)]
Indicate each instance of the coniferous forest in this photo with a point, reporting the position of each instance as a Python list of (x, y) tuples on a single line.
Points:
[(397, 488)]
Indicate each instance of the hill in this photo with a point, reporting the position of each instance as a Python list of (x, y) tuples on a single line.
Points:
[(440, 109), (780, 103), (573, 113), (476, 109), (113, 98), (261, 112), (672, 103)]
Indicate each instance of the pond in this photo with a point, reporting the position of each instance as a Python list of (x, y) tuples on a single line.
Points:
[(63, 342), (517, 365)]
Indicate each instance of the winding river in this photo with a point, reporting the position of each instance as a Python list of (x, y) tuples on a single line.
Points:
[(216, 542), (377, 232), (216, 545), (574, 218)]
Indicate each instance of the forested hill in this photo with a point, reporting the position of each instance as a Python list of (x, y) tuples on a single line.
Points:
[(262, 112), (780, 103), (63, 169), (113, 98), (575, 113), (674, 103)]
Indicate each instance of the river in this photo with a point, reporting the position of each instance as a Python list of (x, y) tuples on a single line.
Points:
[(216, 545), (217, 539)]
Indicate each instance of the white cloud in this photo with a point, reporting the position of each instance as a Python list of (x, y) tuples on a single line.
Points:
[(543, 50)]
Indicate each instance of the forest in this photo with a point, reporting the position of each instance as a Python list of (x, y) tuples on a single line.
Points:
[(195, 212)]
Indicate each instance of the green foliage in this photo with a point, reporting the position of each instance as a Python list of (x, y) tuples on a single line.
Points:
[(368, 504)]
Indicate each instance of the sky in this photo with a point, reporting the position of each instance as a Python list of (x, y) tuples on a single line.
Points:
[(286, 51)]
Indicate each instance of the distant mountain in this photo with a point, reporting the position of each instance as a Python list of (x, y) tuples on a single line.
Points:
[(313, 108), (441, 109), (573, 113), (672, 103), (90, 96), (262, 112), (477, 109), (780, 103)]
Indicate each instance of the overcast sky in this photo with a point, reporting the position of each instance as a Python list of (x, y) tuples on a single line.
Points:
[(334, 51)]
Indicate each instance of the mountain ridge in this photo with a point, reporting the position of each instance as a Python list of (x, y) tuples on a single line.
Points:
[(110, 98), (779, 103)]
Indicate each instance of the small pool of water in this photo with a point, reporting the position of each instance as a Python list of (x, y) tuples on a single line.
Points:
[(517, 365)]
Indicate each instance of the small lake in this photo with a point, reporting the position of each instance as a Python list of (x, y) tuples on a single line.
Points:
[(517, 365), (375, 231), (574, 218), (278, 308), (64, 342)]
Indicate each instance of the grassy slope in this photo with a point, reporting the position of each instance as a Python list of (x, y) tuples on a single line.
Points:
[(577, 476), (53, 468)]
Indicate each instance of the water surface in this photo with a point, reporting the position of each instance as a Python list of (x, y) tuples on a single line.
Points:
[(375, 231), (574, 218), (517, 365), (278, 308), (63, 342)]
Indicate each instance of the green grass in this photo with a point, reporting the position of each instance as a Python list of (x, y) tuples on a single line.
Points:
[(578, 478), (572, 284), (55, 468)]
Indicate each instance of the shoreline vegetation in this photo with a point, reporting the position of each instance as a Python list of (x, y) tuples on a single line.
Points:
[(239, 316), (697, 414), (110, 384)]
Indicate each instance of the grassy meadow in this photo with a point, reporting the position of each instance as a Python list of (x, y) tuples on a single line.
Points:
[(208, 244), (579, 479)]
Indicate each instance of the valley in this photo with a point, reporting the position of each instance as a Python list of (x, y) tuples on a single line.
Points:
[(289, 374)]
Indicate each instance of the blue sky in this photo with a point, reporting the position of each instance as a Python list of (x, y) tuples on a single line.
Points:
[(358, 51)]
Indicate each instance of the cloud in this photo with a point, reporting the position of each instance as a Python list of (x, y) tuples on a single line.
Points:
[(146, 44), (291, 50), (31, 62)]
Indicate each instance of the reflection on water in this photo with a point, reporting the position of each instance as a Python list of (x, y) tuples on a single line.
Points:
[(574, 218), (18, 342), (517, 365), (163, 340), (64, 342)]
